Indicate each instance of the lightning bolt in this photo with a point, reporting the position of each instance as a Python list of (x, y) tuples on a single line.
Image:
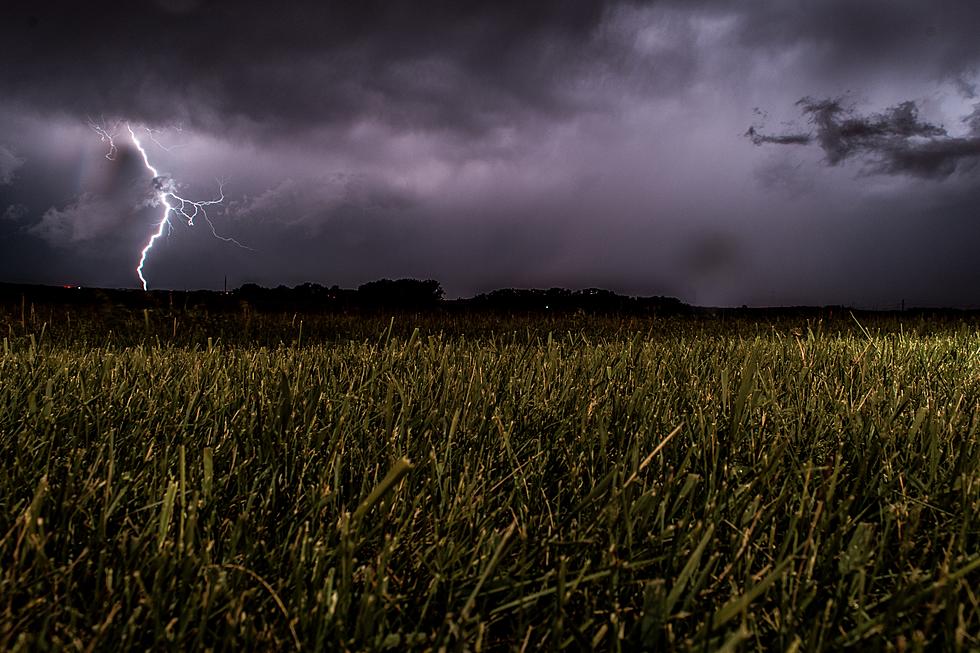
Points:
[(106, 137), (165, 190)]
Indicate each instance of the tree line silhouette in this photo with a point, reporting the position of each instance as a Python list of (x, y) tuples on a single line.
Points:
[(383, 295)]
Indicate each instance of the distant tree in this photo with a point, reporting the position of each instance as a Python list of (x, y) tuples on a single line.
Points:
[(309, 288), (400, 293), (251, 291)]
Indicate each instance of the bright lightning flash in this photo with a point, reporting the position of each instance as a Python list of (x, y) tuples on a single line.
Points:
[(166, 195)]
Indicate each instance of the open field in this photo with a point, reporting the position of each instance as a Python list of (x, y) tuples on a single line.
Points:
[(328, 482)]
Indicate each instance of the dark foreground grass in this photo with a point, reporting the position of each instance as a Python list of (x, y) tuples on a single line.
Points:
[(704, 490)]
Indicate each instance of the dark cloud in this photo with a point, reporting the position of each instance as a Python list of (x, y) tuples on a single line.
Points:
[(14, 212), (759, 138), (895, 141), (843, 41), (246, 65)]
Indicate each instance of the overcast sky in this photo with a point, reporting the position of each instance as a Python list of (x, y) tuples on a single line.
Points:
[(760, 152)]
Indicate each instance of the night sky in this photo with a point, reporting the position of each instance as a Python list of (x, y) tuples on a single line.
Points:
[(763, 152)]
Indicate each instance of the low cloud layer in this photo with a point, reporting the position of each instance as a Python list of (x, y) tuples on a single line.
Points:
[(894, 142)]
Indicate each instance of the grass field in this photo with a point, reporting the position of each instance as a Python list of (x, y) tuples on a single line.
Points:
[(280, 482)]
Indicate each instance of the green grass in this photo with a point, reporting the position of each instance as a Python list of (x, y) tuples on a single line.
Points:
[(629, 485)]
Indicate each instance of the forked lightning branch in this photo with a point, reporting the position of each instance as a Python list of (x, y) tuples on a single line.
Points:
[(165, 195)]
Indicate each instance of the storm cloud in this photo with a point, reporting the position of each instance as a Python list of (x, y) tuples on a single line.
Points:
[(246, 67), (493, 143), (895, 141)]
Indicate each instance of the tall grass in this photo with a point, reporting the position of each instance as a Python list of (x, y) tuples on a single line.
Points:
[(700, 487)]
